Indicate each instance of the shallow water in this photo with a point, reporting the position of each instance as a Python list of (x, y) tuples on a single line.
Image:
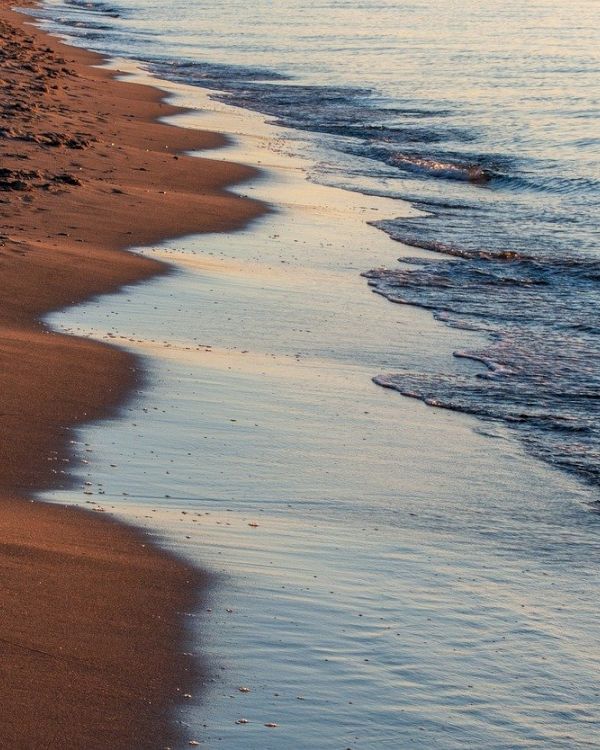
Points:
[(484, 116), (388, 575)]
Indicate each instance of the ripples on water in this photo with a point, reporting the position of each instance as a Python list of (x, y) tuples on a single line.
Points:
[(485, 117)]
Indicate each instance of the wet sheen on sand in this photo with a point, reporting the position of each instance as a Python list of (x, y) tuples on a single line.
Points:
[(388, 575)]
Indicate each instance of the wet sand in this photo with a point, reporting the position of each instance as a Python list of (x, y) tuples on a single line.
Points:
[(389, 575), (91, 630)]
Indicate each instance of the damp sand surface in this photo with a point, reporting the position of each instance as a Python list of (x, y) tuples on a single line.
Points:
[(92, 633), (388, 575)]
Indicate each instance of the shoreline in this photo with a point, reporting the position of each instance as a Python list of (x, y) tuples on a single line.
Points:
[(383, 570), (92, 628)]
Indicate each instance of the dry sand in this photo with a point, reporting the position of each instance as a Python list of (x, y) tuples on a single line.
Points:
[(91, 632)]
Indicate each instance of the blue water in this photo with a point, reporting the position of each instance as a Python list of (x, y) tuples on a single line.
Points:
[(484, 116), (389, 575)]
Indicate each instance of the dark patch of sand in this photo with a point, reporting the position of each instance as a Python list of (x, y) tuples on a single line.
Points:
[(91, 632)]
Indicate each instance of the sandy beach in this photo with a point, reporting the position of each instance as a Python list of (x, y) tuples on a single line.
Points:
[(216, 529), (384, 570), (91, 631)]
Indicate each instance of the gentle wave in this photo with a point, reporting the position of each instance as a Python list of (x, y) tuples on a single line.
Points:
[(446, 170), (542, 375), (508, 187), (95, 7)]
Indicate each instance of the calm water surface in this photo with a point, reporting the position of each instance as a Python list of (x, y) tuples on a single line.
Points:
[(485, 116), (411, 582)]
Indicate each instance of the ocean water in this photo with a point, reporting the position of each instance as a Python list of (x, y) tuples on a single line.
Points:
[(387, 574), (484, 116)]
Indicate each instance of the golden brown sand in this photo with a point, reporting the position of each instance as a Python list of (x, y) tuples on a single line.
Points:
[(91, 626)]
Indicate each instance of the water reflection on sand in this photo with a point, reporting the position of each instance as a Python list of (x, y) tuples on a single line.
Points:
[(387, 575)]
